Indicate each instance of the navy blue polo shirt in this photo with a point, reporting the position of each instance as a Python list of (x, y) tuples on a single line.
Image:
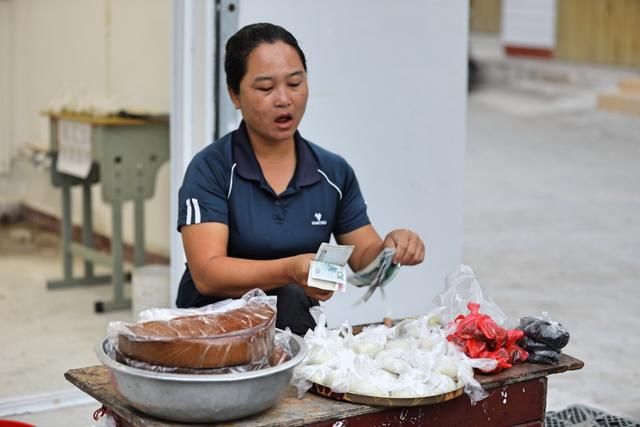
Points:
[(224, 183)]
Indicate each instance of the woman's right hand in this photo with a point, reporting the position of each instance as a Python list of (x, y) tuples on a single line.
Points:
[(299, 271)]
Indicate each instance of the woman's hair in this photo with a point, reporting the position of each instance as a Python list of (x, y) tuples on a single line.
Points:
[(242, 43)]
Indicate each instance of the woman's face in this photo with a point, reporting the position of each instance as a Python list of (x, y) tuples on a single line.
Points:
[(273, 92)]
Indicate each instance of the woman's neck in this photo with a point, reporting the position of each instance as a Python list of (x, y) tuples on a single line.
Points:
[(272, 152), (276, 159)]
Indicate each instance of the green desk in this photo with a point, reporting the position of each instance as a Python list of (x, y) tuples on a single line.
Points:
[(126, 154)]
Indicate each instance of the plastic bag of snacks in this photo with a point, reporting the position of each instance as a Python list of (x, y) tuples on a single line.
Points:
[(481, 337), (544, 338), (411, 359)]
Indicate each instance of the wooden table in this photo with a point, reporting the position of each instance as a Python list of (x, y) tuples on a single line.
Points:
[(517, 397)]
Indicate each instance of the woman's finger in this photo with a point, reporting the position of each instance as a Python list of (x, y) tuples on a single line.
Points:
[(400, 240), (323, 296), (415, 250), (422, 253)]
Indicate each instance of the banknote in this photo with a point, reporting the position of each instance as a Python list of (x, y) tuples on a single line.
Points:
[(374, 271), (334, 254), (376, 275), (326, 285), (327, 270)]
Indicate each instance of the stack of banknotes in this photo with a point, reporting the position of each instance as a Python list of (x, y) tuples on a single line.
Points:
[(328, 270), (376, 275)]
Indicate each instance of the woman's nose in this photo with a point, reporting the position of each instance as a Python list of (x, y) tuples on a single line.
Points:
[(282, 97)]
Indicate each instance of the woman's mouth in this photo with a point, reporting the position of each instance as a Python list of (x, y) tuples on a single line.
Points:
[(284, 120)]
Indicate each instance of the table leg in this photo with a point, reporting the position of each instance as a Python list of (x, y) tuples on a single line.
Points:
[(138, 256), (66, 231), (65, 244), (87, 227), (119, 302)]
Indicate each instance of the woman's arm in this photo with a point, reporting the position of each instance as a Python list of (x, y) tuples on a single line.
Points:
[(409, 247), (214, 273)]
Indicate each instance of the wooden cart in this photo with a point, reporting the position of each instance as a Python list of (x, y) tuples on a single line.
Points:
[(517, 397)]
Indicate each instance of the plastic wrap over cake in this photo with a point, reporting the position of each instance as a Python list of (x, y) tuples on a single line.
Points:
[(281, 353), (225, 334)]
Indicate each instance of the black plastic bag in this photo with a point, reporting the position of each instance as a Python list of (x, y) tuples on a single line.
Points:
[(545, 330), (539, 352)]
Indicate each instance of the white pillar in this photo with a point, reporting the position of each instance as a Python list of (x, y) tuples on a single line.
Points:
[(192, 108)]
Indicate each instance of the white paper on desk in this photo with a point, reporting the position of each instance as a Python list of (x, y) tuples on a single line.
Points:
[(74, 148)]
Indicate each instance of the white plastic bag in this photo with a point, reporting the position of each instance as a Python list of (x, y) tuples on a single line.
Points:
[(461, 287), (411, 359)]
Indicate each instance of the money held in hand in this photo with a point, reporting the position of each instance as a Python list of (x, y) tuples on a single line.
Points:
[(376, 275), (327, 270)]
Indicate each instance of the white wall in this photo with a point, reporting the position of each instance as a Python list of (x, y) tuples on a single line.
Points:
[(529, 23), (388, 92), (86, 48), (5, 33)]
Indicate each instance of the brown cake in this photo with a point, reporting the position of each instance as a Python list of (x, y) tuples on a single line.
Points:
[(236, 337)]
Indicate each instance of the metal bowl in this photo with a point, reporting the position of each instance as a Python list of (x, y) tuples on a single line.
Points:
[(206, 397)]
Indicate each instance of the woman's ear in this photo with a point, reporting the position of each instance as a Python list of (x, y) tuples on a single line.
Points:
[(234, 98)]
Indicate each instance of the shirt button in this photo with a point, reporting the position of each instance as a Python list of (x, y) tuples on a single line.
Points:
[(278, 202)]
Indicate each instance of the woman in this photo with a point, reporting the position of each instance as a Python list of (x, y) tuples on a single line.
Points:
[(256, 204)]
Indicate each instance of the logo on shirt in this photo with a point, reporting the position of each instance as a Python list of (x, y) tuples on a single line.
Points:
[(319, 220)]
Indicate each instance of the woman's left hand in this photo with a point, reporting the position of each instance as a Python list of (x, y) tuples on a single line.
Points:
[(409, 247)]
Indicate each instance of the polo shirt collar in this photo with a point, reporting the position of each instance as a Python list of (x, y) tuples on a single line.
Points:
[(248, 167)]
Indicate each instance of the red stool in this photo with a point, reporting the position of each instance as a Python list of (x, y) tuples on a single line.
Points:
[(9, 423)]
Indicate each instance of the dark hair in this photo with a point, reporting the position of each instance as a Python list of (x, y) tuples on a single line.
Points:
[(242, 43)]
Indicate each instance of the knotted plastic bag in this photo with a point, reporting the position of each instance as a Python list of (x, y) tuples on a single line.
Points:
[(544, 338), (481, 337), (545, 330)]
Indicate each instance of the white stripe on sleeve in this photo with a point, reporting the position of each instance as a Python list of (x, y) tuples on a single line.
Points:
[(188, 212), (196, 211)]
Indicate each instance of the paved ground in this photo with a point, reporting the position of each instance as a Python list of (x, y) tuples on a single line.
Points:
[(49, 331), (551, 224)]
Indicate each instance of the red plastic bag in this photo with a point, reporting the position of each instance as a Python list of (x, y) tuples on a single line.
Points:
[(481, 337)]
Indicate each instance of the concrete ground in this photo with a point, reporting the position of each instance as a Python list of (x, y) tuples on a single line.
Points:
[(551, 224), (49, 331)]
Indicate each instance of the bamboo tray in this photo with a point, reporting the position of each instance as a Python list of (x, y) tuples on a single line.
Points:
[(385, 401)]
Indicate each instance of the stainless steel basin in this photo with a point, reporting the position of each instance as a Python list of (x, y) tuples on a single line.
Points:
[(202, 398)]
